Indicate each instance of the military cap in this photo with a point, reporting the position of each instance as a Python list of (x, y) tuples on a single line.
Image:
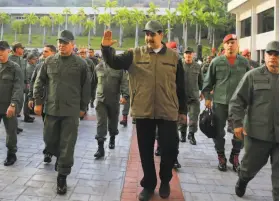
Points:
[(153, 26), (66, 36), (17, 45), (31, 56), (245, 52), (4, 45), (188, 49), (171, 45), (229, 37), (272, 46)]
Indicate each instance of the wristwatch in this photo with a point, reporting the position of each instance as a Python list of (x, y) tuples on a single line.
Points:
[(13, 105)]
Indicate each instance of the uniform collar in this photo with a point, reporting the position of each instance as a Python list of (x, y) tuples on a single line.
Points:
[(150, 50)]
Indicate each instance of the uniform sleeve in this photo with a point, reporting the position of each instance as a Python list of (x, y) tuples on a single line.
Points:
[(32, 81), (17, 92), (85, 87), (118, 62), (40, 83), (200, 80), (239, 101), (124, 86), (93, 84), (209, 81), (180, 83)]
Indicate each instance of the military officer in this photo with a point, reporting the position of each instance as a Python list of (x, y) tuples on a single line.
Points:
[(126, 107), (68, 94), (11, 97), (48, 50), (223, 76), (156, 79), (247, 54), (205, 65), (28, 71), (92, 56), (258, 94), (193, 83), (17, 57), (110, 83)]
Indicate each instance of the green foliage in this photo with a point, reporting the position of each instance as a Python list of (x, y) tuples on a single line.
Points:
[(4, 18), (45, 21), (17, 25), (31, 18)]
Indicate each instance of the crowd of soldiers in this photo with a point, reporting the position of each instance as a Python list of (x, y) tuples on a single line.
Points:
[(159, 88)]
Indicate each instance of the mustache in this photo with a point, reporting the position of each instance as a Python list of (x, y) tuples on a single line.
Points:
[(149, 41)]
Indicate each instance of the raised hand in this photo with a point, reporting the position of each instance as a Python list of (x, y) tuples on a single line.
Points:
[(107, 39)]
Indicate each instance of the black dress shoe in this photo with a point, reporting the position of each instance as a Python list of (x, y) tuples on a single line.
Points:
[(19, 129), (28, 119), (240, 187), (177, 165), (100, 151), (10, 160), (183, 137), (146, 195), (47, 158), (164, 190), (191, 139), (61, 184), (112, 142)]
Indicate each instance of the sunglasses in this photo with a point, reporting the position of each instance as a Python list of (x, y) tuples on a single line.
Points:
[(147, 33)]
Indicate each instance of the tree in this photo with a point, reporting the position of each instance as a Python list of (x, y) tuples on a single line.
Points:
[(122, 18), (4, 19), (170, 18), (74, 20), (152, 11), (198, 18), (137, 18), (184, 9), (59, 20), (53, 18), (66, 12), (95, 11), (105, 19), (82, 17), (45, 22), (89, 24), (17, 27), (30, 19), (108, 6)]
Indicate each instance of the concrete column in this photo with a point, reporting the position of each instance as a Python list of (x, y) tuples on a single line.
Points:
[(261, 55), (238, 26), (276, 19), (254, 32)]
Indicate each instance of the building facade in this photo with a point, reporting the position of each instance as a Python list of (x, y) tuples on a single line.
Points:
[(257, 23)]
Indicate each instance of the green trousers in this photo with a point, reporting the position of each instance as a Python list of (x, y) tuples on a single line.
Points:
[(60, 136), (11, 132), (220, 118), (193, 113), (107, 115), (257, 153)]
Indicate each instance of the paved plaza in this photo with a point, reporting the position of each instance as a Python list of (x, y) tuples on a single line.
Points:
[(106, 180)]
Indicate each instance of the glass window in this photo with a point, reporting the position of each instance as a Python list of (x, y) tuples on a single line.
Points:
[(266, 21), (246, 27)]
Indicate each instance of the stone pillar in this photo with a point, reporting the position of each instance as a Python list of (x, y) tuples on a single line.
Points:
[(254, 32), (276, 19)]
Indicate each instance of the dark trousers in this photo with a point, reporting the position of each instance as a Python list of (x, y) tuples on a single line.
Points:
[(168, 139)]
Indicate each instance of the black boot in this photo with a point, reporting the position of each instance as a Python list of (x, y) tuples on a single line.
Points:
[(91, 104), (234, 160), (19, 130), (145, 195), (240, 187), (191, 138), (222, 161), (100, 151), (10, 160), (157, 152), (56, 164), (61, 184), (112, 142), (164, 190), (28, 119), (124, 121), (133, 121), (47, 158), (177, 165), (183, 137)]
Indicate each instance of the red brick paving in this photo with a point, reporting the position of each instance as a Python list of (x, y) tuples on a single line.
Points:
[(134, 175)]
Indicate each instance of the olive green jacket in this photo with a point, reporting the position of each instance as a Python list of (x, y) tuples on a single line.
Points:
[(11, 83), (224, 78), (156, 81), (110, 83), (68, 85), (257, 99)]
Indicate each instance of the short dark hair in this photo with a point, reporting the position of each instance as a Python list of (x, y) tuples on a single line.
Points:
[(91, 49), (16, 45), (52, 48)]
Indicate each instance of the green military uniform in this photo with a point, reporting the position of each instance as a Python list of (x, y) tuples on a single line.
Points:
[(11, 93), (28, 71), (68, 93), (257, 99), (126, 106), (253, 63), (110, 83), (91, 66), (224, 78), (193, 83), (204, 68)]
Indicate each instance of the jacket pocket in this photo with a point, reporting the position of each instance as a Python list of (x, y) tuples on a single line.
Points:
[(133, 96)]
